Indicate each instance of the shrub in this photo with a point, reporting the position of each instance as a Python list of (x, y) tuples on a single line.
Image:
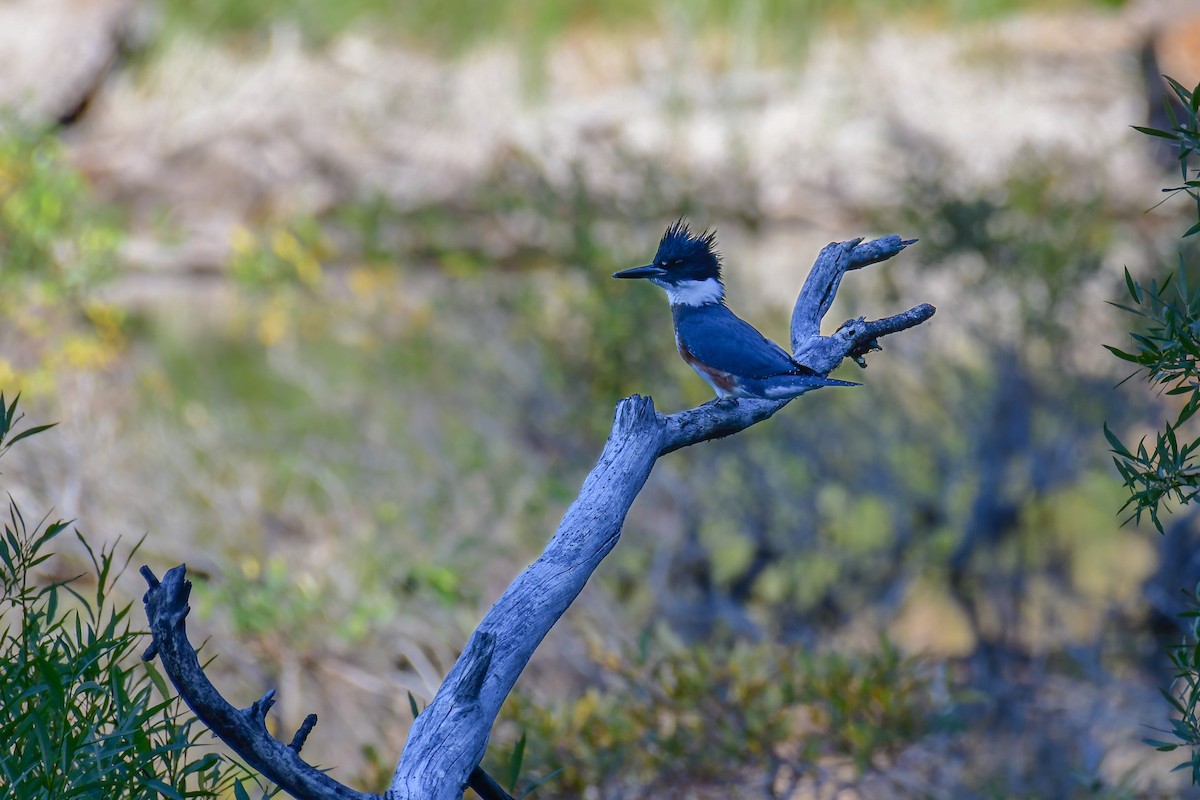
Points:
[(1166, 348), (80, 718), (698, 715)]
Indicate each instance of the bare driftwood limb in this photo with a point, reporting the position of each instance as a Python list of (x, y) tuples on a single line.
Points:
[(245, 730), (855, 338), (449, 737)]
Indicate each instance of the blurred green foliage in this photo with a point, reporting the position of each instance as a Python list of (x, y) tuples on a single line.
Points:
[(56, 245), (283, 254), (1029, 239), (50, 230), (669, 716), (450, 27), (81, 716)]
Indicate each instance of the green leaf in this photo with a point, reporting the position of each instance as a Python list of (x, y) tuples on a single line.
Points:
[(167, 791), (1121, 354), (1135, 291), (1172, 700), (515, 762), (11, 413), (157, 679), (1164, 747), (1115, 443), (1174, 443), (207, 762), (1189, 98), (1130, 309), (1155, 132), (538, 785), (30, 432), (51, 531)]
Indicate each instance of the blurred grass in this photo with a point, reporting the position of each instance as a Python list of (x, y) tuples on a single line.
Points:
[(451, 27)]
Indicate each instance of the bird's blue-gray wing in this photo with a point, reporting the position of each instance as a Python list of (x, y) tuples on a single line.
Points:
[(718, 338)]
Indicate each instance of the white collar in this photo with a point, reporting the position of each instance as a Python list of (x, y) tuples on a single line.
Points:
[(694, 293)]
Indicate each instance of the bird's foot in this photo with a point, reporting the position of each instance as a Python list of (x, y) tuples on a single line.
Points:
[(725, 402)]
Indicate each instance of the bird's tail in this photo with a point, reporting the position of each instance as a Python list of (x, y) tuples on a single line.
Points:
[(785, 387)]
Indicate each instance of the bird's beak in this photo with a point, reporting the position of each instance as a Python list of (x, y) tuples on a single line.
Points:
[(648, 271)]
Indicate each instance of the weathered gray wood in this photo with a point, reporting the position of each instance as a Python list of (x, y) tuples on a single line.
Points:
[(821, 285), (243, 729), (448, 739)]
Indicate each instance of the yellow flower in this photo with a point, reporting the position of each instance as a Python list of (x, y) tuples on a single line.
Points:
[(273, 325), (10, 380), (287, 247), (86, 352), (242, 240), (251, 568)]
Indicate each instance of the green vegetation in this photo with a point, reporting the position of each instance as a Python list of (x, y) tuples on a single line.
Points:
[(56, 245), (669, 716), (1166, 348), (450, 27), (49, 227), (81, 716)]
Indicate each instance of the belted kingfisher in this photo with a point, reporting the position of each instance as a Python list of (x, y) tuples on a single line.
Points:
[(727, 352)]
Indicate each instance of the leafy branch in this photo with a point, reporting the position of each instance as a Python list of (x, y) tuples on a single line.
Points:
[(1166, 348), (1184, 697)]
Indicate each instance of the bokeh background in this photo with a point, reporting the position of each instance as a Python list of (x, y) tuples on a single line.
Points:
[(319, 292)]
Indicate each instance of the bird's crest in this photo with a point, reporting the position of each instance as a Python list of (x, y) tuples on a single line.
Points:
[(679, 244)]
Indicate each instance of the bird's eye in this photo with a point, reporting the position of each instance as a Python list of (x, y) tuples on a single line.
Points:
[(662, 263)]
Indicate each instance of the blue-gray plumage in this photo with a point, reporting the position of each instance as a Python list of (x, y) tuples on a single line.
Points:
[(733, 357)]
